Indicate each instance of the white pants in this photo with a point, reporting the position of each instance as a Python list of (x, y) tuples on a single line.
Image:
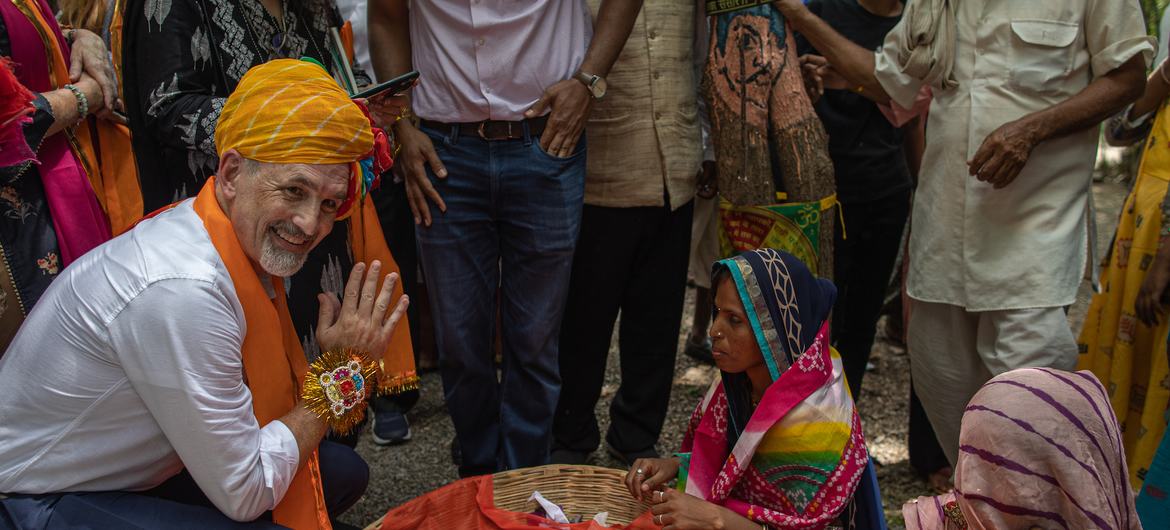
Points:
[(953, 352)]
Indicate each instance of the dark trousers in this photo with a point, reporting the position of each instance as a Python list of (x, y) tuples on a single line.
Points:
[(632, 260), (863, 262), (398, 227), (177, 503), (926, 455), (511, 225)]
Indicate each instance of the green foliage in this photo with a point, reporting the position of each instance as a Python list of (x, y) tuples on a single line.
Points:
[(1153, 11)]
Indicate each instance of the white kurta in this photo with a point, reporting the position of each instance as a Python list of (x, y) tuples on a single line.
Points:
[(129, 368), (1023, 246)]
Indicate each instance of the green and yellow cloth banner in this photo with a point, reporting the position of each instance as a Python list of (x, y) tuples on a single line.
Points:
[(794, 227)]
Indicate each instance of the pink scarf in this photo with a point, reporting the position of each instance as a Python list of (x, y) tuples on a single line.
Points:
[(1038, 448), (78, 219)]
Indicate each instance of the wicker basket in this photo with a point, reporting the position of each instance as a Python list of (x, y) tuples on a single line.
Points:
[(579, 490)]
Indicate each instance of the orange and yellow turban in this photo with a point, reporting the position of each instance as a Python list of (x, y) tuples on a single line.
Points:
[(291, 111)]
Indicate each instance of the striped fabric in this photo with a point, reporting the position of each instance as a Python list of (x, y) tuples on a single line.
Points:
[(1038, 448)]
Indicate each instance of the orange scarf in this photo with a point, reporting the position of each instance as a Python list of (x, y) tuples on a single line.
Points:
[(101, 146), (369, 244), (273, 374)]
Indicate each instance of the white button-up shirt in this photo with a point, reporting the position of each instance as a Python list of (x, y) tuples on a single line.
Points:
[(1025, 245), (129, 367), (493, 59)]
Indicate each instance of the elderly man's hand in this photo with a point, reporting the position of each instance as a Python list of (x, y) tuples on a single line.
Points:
[(88, 54), (570, 102), (359, 321), (1003, 154), (418, 151)]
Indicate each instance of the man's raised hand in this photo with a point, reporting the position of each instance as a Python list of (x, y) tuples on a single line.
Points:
[(359, 321)]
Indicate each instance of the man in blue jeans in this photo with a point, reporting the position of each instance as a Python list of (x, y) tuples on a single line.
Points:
[(504, 94)]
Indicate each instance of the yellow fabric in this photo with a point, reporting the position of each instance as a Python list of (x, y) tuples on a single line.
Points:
[(1125, 354), (288, 111)]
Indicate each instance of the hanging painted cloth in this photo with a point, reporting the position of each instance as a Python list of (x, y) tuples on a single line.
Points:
[(765, 132)]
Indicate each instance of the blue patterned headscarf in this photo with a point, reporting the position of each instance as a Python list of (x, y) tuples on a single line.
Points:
[(785, 304)]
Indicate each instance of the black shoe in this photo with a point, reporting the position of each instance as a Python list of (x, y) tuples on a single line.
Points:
[(627, 459), (456, 452), (568, 457), (699, 351), (390, 428)]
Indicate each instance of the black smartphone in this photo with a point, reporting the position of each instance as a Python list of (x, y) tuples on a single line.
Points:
[(398, 85)]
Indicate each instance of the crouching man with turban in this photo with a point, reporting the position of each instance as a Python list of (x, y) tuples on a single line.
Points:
[(159, 383)]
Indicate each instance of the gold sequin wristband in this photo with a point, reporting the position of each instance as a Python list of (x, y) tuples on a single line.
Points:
[(336, 387)]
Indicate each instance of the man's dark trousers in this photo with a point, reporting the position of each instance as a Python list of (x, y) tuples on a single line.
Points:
[(632, 260)]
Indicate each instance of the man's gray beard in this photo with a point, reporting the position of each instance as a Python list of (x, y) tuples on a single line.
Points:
[(280, 262)]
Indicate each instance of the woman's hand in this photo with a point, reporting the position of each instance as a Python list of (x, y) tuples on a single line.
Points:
[(89, 55), (679, 511), (648, 474), (1148, 305)]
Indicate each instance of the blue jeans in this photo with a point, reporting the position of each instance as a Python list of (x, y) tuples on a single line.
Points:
[(511, 225), (176, 503)]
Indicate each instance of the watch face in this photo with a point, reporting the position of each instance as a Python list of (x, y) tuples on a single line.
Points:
[(599, 88)]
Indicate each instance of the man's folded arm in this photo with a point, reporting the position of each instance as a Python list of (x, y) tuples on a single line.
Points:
[(179, 343)]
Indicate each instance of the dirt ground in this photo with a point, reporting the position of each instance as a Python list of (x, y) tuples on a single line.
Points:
[(403, 472)]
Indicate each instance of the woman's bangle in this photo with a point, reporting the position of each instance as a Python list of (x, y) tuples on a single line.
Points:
[(82, 102)]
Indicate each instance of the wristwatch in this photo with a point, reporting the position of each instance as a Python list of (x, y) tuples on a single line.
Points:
[(595, 83)]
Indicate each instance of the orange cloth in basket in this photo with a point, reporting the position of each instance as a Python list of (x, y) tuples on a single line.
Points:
[(468, 504)]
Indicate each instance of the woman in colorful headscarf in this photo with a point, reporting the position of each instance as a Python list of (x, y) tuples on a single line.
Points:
[(1039, 448), (776, 441)]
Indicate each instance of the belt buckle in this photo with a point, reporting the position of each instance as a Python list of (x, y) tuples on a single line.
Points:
[(483, 133)]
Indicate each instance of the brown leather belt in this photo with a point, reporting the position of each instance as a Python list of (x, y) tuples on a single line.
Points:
[(491, 130)]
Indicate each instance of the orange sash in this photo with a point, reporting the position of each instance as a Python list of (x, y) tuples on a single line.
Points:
[(273, 373), (103, 148), (369, 244)]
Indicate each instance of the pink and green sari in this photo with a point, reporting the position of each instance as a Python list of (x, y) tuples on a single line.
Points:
[(796, 460)]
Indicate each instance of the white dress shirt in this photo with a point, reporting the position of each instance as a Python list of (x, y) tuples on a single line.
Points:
[(492, 59), (129, 368), (1023, 246)]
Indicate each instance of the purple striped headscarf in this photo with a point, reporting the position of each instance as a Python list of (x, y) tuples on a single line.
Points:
[(1038, 448)]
